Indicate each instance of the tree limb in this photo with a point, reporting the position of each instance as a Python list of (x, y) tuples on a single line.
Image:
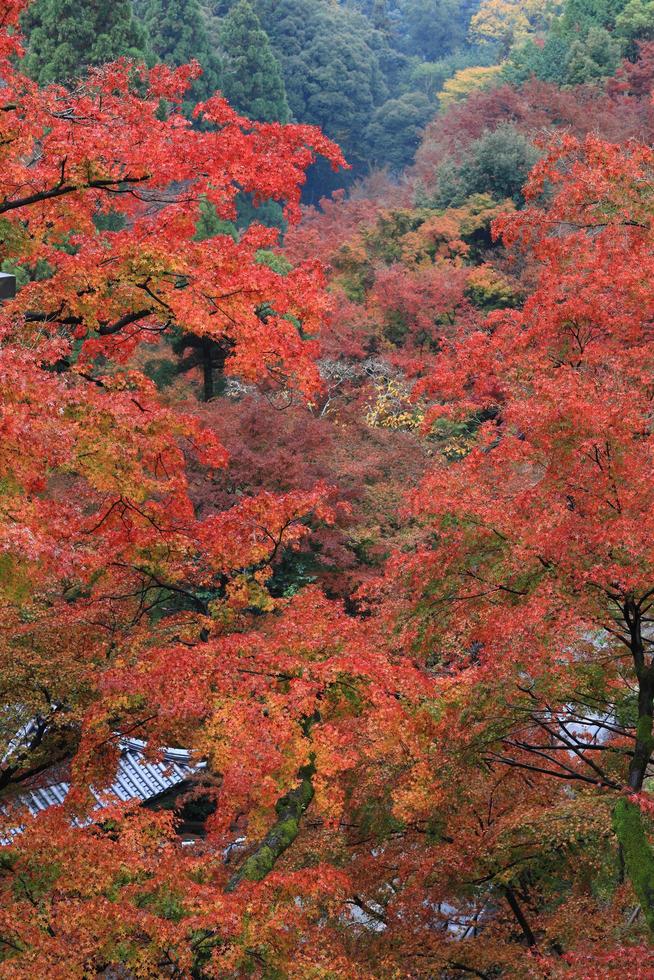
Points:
[(290, 809), (61, 189)]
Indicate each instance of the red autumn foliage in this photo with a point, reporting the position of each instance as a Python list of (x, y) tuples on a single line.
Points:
[(433, 787)]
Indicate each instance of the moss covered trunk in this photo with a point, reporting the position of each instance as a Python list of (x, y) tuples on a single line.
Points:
[(629, 826), (628, 820), (290, 809)]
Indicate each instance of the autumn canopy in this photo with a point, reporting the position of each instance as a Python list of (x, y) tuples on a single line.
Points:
[(362, 517)]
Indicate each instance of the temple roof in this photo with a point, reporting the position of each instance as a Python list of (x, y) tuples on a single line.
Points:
[(137, 778)]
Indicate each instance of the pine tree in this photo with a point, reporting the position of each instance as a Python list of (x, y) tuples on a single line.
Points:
[(252, 80), (66, 36), (177, 33)]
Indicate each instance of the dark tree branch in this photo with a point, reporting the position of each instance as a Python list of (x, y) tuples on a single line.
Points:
[(62, 189), (520, 916), (110, 328)]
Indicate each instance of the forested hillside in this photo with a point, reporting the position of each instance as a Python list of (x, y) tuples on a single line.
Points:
[(365, 73), (326, 489)]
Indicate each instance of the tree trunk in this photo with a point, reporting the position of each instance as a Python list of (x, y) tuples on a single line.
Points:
[(644, 741), (520, 916), (629, 827), (207, 371), (628, 820), (290, 809)]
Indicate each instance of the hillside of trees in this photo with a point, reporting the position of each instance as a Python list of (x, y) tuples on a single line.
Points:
[(365, 73), (370, 75), (326, 463)]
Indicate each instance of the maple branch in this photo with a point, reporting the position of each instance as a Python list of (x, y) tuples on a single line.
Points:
[(32, 316), (200, 605), (359, 903), (14, 772), (496, 757), (533, 750), (105, 329), (585, 719), (572, 745), (61, 189), (290, 808), (99, 383), (494, 874), (125, 731), (566, 747), (155, 583), (14, 777), (109, 328)]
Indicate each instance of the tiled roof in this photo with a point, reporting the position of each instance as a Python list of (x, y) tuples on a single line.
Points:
[(136, 779)]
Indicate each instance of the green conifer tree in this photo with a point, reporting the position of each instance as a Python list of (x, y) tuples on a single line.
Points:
[(252, 79), (579, 16), (177, 33), (66, 36)]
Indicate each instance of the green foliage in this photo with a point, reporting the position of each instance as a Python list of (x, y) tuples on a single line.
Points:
[(488, 290), (109, 221), (393, 133), (548, 61), (36, 880), (597, 56), (165, 902), (209, 224), (331, 68), (27, 273), (354, 70), (294, 572), (564, 60), (278, 263), (176, 34), (161, 370), (466, 82), (375, 819), (498, 164), (580, 16), (384, 239), (636, 21), (585, 44), (66, 36), (395, 65), (434, 28), (430, 76), (268, 213), (454, 438), (252, 78)]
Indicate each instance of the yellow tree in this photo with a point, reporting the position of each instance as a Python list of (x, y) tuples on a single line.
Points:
[(467, 81), (507, 22)]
